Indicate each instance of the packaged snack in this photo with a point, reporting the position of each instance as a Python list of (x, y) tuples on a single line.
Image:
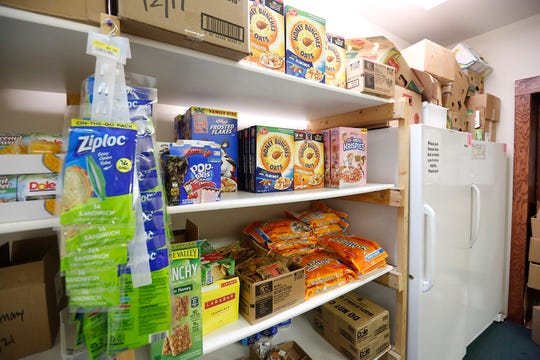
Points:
[(8, 188), (308, 160), (36, 187), (320, 216), (278, 230), (12, 144), (323, 268), (361, 254)]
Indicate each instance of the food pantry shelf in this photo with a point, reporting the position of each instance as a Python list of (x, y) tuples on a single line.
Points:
[(240, 329)]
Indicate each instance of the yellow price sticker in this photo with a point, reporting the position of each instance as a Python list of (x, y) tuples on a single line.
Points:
[(107, 49)]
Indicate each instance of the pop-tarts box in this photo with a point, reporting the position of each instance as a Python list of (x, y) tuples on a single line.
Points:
[(221, 127), (201, 173)]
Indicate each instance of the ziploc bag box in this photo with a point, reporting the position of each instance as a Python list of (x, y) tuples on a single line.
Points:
[(29, 306), (220, 303), (185, 339), (221, 127)]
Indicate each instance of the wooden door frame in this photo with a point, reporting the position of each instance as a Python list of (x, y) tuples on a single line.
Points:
[(524, 190)]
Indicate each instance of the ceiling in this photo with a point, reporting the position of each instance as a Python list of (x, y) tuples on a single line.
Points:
[(448, 23)]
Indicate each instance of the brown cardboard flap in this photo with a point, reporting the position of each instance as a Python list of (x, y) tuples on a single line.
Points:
[(32, 249)]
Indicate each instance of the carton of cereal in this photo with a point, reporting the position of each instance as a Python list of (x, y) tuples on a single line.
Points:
[(267, 34), (346, 150), (221, 127), (305, 44), (271, 157), (308, 160), (335, 73)]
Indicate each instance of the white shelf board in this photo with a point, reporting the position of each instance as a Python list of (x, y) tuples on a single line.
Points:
[(243, 199), (240, 329), (184, 77)]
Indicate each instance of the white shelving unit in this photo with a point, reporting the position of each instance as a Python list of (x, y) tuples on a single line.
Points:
[(43, 53)]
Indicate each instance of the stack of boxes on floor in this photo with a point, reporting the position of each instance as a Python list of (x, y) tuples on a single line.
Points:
[(534, 273)]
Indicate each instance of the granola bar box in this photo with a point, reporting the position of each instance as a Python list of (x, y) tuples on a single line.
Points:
[(346, 154), (271, 158), (220, 303), (221, 127), (185, 338)]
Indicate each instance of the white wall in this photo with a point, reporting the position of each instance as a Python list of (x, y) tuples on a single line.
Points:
[(513, 52)]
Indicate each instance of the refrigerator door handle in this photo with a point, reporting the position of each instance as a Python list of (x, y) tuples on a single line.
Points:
[(429, 253), (476, 211)]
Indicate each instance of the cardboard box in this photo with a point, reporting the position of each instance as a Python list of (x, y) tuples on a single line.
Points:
[(434, 115), (367, 350), (470, 59), (260, 300), (382, 50), (456, 121), (476, 82), (432, 58), (535, 226), (411, 108), (267, 35), (533, 280), (370, 77), (491, 103), (432, 87), (535, 328), (80, 10), (290, 349), (220, 302), (534, 249), (357, 319), (215, 27), (457, 90), (31, 298)]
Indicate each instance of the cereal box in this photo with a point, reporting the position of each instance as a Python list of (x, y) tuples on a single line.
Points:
[(305, 46), (267, 34), (197, 171), (185, 340), (36, 186), (220, 303), (335, 73), (8, 188), (308, 160), (346, 150), (271, 157), (219, 126)]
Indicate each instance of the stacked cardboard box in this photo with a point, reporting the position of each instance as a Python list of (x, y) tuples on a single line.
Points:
[(534, 253), (486, 109), (355, 326)]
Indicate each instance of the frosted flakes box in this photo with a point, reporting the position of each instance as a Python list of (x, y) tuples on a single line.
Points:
[(221, 127), (267, 34), (305, 45), (346, 151), (271, 157), (197, 170), (335, 73), (308, 160)]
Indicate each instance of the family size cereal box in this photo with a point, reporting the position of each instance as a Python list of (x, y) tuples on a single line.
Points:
[(267, 34), (196, 169), (221, 127), (346, 150), (335, 73), (185, 339), (308, 160), (271, 158), (305, 45)]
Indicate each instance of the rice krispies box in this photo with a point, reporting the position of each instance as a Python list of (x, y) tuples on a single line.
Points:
[(271, 158), (308, 160), (345, 157), (221, 127), (197, 171)]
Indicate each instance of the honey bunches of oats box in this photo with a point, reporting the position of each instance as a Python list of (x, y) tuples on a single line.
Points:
[(308, 160), (305, 44), (335, 73), (267, 34)]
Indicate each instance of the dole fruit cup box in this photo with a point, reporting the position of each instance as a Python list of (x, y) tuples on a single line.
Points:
[(335, 73), (305, 45), (185, 339), (221, 127), (267, 34), (271, 158), (346, 154), (308, 160)]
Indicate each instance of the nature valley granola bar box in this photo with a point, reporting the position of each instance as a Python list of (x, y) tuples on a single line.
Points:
[(185, 338), (305, 45), (267, 34), (308, 160)]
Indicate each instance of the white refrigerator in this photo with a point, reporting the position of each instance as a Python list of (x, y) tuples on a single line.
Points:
[(457, 233)]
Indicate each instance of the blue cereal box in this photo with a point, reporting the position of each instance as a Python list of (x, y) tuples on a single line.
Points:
[(221, 127), (199, 166)]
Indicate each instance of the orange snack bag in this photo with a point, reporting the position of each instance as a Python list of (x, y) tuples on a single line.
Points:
[(323, 268), (291, 244), (361, 254), (320, 215), (324, 287), (279, 229)]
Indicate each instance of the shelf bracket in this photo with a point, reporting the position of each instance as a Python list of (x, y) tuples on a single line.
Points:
[(390, 197), (391, 279)]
